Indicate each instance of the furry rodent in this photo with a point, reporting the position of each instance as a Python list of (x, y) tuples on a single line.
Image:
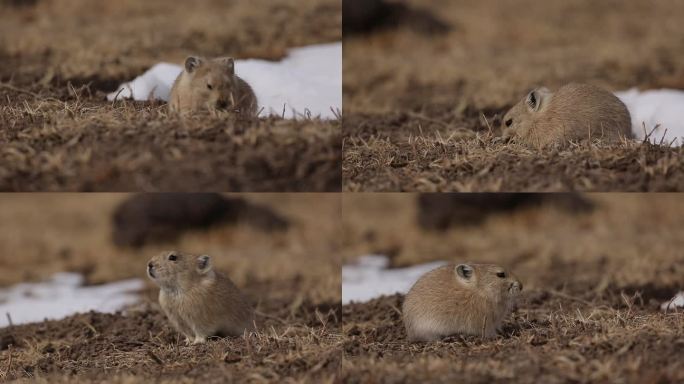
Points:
[(468, 299), (198, 300), (574, 112), (211, 84)]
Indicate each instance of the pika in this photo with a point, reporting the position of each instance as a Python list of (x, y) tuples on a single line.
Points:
[(574, 112), (198, 300), (468, 299), (211, 84)]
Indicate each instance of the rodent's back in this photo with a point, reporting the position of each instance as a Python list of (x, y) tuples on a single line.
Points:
[(439, 304), (574, 112), (222, 300), (435, 297), (587, 111)]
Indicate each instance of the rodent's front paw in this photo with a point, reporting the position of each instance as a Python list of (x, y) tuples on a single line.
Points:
[(199, 340)]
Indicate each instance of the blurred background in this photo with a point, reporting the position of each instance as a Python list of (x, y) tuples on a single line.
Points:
[(116, 40), (272, 245), (589, 245), (488, 53)]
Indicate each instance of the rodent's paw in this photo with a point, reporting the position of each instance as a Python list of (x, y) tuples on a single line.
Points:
[(199, 340), (507, 134), (500, 140)]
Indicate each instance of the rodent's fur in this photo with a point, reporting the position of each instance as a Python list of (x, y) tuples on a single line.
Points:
[(574, 112), (210, 84), (198, 300), (468, 299)]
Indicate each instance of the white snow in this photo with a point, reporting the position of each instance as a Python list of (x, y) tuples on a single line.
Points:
[(663, 108), (63, 295), (675, 303), (309, 80), (369, 278)]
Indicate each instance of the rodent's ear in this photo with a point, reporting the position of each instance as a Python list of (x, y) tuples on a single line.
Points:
[(191, 63), (537, 99), (204, 264), (464, 271), (229, 63)]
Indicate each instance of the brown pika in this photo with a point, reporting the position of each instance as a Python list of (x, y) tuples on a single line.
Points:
[(574, 112), (211, 84), (198, 300), (468, 299)]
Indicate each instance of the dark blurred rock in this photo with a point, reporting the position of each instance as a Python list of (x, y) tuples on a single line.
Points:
[(19, 3), (439, 211), (161, 217), (365, 16), (6, 341)]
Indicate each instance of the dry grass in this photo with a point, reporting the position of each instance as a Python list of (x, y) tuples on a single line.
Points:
[(590, 310), (555, 340), (294, 344), (414, 103), (427, 157), (292, 277), (59, 59)]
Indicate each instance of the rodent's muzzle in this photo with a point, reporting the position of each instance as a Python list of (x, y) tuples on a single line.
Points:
[(515, 287), (150, 270)]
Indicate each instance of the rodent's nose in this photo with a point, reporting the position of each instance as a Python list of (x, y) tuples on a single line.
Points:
[(509, 122), (516, 285), (222, 104)]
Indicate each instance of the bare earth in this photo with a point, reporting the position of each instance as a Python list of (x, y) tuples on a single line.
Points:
[(423, 110), (292, 277), (58, 59), (593, 284)]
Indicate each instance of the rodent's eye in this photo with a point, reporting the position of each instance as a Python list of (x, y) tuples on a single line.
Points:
[(210, 86), (173, 257), (501, 274), (509, 122)]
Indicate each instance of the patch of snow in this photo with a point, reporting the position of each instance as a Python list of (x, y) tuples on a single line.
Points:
[(675, 303), (369, 278), (63, 295), (309, 80), (663, 108)]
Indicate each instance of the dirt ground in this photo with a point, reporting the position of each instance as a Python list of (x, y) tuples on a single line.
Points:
[(423, 109), (593, 283), (292, 277), (59, 58)]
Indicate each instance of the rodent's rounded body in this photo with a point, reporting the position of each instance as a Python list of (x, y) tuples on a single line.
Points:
[(210, 84), (574, 112), (199, 301), (468, 299)]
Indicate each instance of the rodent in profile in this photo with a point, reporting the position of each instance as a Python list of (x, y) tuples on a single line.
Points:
[(574, 112), (468, 299), (198, 300), (210, 84)]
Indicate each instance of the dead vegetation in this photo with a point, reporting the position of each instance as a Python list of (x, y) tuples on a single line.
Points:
[(593, 285), (419, 109), (429, 157), (292, 276), (60, 58), (297, 341)]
